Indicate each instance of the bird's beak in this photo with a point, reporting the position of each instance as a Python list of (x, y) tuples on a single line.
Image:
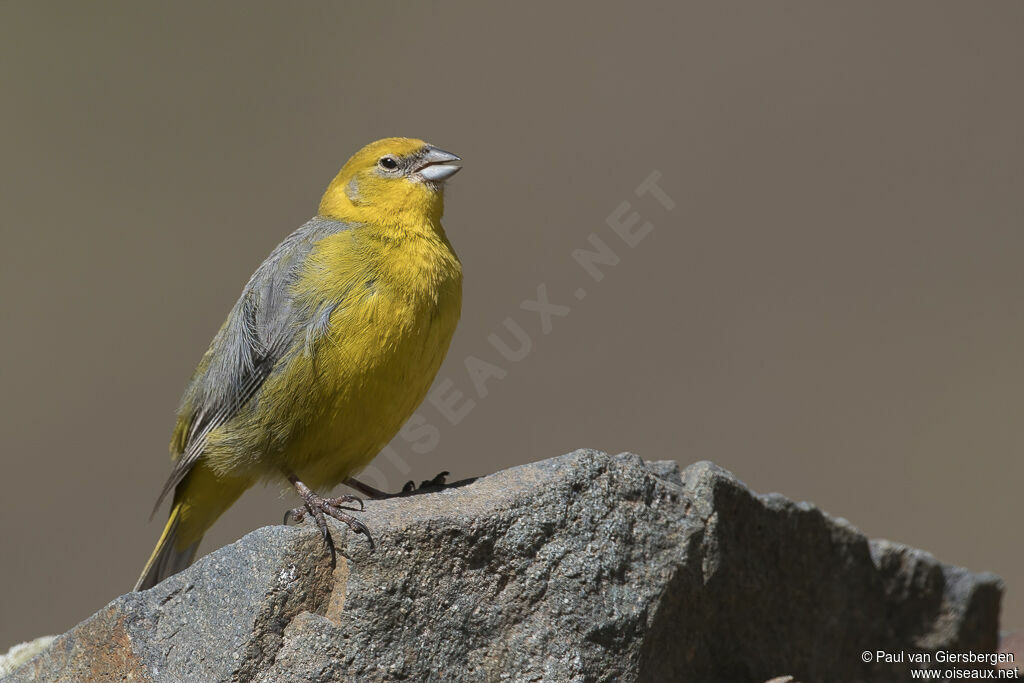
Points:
[(437, 165)]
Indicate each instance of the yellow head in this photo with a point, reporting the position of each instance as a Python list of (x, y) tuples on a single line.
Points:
[(391, 181)]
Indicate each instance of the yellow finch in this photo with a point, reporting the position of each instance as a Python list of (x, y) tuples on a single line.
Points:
[(333, 343)]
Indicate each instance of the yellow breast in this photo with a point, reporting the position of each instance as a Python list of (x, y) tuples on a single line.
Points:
[(396, 303)]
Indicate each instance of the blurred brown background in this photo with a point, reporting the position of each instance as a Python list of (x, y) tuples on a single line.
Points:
[(832, 310)]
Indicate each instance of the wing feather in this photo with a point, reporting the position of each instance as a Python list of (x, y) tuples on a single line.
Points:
[(260, 330)]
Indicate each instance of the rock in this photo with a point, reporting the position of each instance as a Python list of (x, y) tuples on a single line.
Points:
[(22, 652), (586, 567)]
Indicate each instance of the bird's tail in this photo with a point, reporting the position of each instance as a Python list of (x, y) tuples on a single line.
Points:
[(198, 501), (167, 558)]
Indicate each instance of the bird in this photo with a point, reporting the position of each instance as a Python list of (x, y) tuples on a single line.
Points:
[(333, 343)]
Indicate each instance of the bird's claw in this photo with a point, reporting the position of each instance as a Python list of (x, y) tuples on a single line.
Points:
[(299, 513), (341, 500)]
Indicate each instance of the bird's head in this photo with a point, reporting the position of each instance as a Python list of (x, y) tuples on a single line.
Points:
[(392, 179)]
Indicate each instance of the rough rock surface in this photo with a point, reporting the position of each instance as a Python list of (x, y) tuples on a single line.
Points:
[(11, 660), (586, 567)]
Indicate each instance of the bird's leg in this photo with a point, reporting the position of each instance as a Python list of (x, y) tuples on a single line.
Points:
[(319, 507), (410, 486), (365, 489)]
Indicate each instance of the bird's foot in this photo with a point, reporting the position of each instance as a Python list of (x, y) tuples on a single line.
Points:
[(438, 482), (366, 489), (319, 508)]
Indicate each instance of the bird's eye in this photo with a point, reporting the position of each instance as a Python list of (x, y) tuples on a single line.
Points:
[(388, 162)]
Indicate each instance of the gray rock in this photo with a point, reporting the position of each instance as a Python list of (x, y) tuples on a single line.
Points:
[(586, 567)]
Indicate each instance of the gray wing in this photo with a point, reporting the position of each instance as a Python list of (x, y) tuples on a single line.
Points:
[(262, 327)]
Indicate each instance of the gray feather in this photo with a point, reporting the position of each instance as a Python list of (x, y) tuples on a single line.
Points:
[(261, 328)]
